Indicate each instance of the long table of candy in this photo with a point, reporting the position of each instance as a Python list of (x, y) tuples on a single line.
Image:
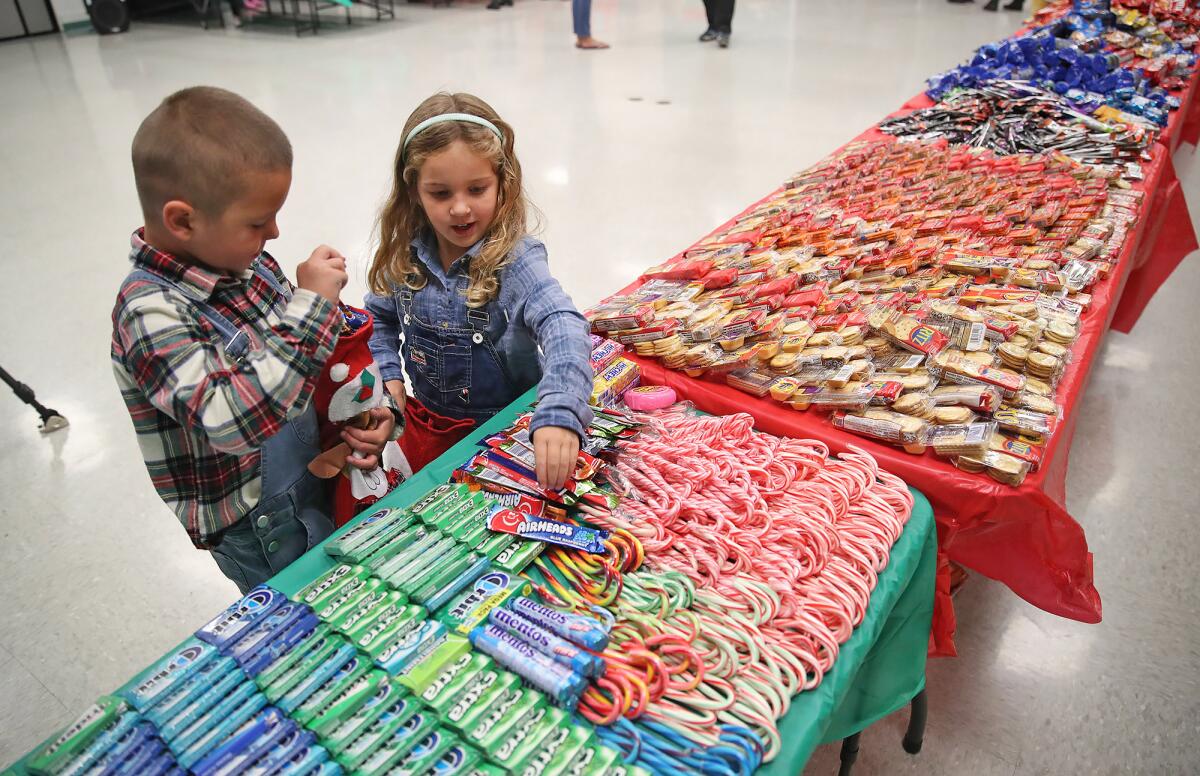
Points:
[(941, 303), (701, 597)]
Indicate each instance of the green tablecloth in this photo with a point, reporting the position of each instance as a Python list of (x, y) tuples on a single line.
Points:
[(878, 670)]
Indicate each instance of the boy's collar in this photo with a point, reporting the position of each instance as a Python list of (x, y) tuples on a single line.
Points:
[(196, 281)]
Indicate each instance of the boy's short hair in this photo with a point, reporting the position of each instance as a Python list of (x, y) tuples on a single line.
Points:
[(198, 144)]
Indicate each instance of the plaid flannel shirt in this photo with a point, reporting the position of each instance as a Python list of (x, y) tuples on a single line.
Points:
[(201, 418)]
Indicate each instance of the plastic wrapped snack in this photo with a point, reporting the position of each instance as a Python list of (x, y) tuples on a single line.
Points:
[(902, 430), (971, 439)]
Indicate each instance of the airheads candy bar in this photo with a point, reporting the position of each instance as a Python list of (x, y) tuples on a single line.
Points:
[(548, 643), (153, 684), (233, 623), (583, 630), (575, 537), (472, 606), (559, 682)]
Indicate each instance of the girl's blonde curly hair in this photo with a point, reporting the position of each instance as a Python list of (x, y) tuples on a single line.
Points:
[(403, 218)]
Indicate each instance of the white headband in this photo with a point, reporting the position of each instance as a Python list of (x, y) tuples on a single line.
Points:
[(444, 117)]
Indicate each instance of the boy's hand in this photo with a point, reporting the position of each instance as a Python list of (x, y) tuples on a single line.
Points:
[(396, 389), (324, 272), (369, 442), (555, 450)]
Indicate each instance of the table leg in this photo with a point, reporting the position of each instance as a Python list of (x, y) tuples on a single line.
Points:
[(914, 737), (849, 754)]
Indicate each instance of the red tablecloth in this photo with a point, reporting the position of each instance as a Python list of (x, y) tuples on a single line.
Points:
[(1023, 536)]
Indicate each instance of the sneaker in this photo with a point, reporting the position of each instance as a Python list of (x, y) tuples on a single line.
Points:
[(723, 40), (709, 35), (495, 5)]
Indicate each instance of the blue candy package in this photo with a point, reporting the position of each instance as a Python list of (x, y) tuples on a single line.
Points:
[(237, 620), (156, 682)]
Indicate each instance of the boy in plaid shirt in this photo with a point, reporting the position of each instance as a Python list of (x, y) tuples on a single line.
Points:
[(215, 352)]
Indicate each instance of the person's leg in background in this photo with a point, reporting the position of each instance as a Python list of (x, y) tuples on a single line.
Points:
[(581, 15), (723, 17), (711, 32)]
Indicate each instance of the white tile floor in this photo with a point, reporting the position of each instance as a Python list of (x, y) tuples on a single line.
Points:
[(631, 154)]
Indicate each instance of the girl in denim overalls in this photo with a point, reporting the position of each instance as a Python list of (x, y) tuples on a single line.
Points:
[(465, 294)]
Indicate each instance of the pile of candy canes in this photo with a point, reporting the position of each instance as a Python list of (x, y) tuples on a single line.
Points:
[(738, 563)]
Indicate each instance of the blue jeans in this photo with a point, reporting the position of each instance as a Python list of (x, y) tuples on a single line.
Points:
[(581, 13)]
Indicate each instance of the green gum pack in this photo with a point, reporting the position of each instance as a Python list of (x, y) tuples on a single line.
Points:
[(558, 751), (347, 597), (388, 627), (489, 728), (366, 609), (403, 742), (398, 715), (453, 679), (396, 545), (428, 507), (414, 565), (524, 740), (425, 546), (494, 543), (463, 520), (327, 585), (426, 753), (475, 698), (458, 760), (365, 531), (284, 662), (427, 584), (518, 554), (332, 688), (436, 654), (389, 698), (625, 769), (594, 759), (409, 576), (346, 703), (76, 737), (303, 667), (382, 537), (487, 769)]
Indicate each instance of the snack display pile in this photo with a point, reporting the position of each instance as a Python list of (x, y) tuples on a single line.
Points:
[(646, 618)]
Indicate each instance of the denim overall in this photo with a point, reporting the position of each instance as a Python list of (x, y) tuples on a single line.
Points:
[(454, 366), (292, 515)]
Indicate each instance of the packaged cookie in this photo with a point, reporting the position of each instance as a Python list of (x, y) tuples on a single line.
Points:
[(979, 398), (952, 416), (1026, 422), (903, 430), (1018, 448), (970, 439), (853, 397), (751, 381)]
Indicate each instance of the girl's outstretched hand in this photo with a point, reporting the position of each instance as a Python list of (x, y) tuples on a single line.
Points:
[(555, 450)]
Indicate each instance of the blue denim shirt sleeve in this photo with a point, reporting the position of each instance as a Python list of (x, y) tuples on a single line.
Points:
[(385, 338), (561, 332)]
